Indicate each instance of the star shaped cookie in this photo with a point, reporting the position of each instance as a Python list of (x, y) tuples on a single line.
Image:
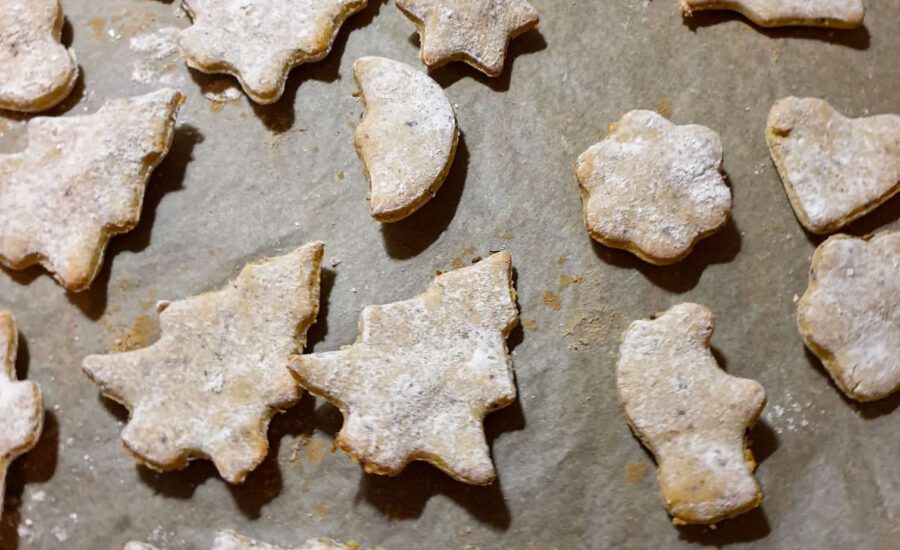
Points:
[(690, 414), (21, 408), (209, 386), (79, 182), (474, 31), (423, 373), (654, 188), (260, 41), (834, 169), (36, 71), (850, 314)]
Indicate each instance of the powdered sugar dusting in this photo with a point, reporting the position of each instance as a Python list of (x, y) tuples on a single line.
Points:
[(654, 188), (158, 61), (407, 138), (423, 373), (850, 314), (690, 414)]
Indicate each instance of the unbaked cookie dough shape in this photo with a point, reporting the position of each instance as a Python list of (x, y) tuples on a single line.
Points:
[(690, 414), (212, 382), (36, 71), (260, 41), (850, 314), (407, 138), (423, 373), (79, 182), (653, 188), (834, 169), (474, 31), (839, 14), (21, 408)]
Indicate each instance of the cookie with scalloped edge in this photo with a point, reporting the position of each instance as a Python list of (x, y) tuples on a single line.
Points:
[(407, 138), (79, 182), (838, 14), (653, 188), (260, 41), (423, 373), (21, 407), (215, 378), (36, 71), (834, 169), (690, 414), (476, 32), (849, 315)]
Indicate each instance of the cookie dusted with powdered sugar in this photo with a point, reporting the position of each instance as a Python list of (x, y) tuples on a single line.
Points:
[(653, 188), (36, 71), (407, 138), (839, 14), (423, 373), (834, 169), (260, 41), (79, 182), (690, 414), (215, 378), (476, 32), (850, 314)]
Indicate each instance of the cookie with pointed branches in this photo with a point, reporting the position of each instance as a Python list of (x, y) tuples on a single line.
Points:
[(849, 315), (423, 373), (21, 408), (838, 14), (407, 138), (79, 182), (229, 540), (690, 414), (653, 188), (212, 382), (260, 41), (476, 32), (834, 169), (36, 71)]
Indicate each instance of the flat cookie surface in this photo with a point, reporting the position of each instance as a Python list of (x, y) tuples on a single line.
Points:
[(474, 31), (653, 188), (260, 41), (841, 14), (850, 314), (79, 182), (229, 540), (209, 386), (690, 414), (36, 71), (835, 169), (407, 138), (21, 408), (423, 373)]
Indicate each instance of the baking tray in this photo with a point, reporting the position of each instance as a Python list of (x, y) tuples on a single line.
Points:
[(244, 182)]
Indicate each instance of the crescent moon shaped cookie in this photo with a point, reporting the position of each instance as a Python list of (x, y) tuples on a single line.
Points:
[(229, 540), (423, 373), (21, 408), (212, 382), (839, 14), (835, 169), (79, 182), (474, 31), (36, 71), (407, 138), (653, 188), (690, 414), (850, 314), (260, 41)]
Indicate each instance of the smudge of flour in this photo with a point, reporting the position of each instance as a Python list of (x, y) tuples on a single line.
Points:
[(158, 60)]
